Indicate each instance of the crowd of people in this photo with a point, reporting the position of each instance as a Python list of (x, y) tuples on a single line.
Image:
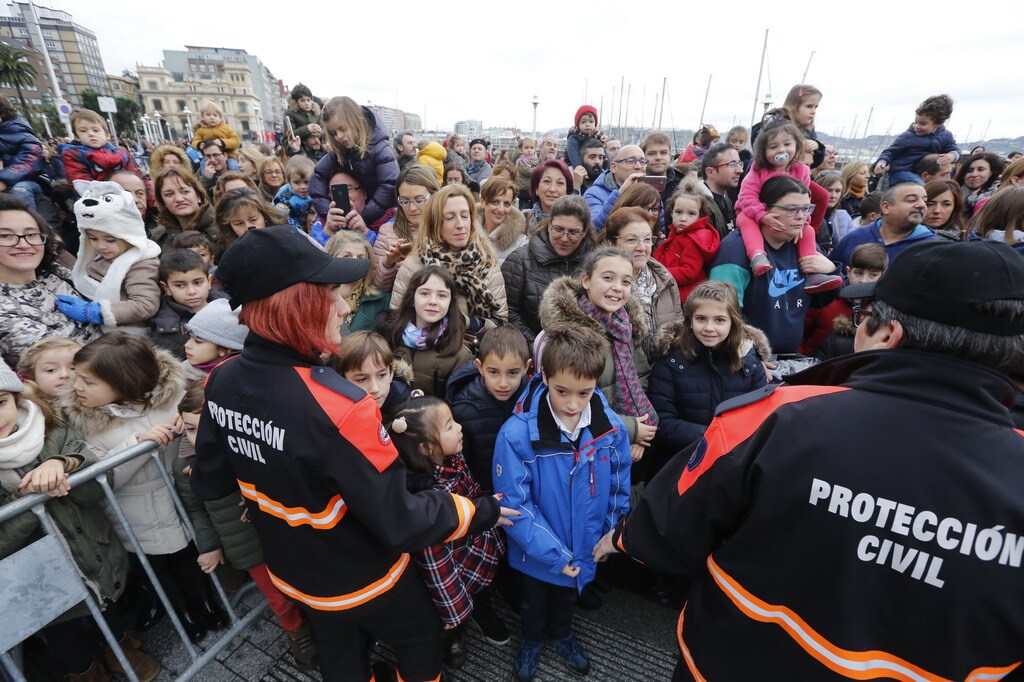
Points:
[(500, 367)]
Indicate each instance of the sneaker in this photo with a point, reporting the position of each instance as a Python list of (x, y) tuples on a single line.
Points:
[(527, 660), (302, 647), (589, 599), (817, 284), (573, 655), (490, 626), (760, 264)]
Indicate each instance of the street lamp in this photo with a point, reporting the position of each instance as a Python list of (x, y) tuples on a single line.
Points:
[(188, 118), (159, 128), (146, 127), (535, 102)]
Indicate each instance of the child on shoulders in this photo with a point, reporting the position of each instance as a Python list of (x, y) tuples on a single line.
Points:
[(926, 135), (584, 128), (212, 126), (91, 156)]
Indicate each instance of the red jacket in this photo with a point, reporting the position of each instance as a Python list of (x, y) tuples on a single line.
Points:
[(687, 253), (820, 323)]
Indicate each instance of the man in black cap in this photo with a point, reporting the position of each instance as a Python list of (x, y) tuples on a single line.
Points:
[(478, 168), (863, 520), (322, 480)]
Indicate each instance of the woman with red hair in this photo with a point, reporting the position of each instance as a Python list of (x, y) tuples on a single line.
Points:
[(322, 480)]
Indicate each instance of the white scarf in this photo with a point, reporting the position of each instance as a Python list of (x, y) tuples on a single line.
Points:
[(23, 446), (110, 288)]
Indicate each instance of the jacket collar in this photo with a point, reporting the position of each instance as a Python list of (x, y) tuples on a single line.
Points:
[(917, 375), (544, 432), (259, 349)]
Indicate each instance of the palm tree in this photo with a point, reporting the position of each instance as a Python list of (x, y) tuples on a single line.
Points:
[(16, 70)]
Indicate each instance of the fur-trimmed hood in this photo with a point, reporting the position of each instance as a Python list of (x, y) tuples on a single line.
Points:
[(90, 420), (402, 370), (561, 305), (676, 335), (510, 229), (294, 107)]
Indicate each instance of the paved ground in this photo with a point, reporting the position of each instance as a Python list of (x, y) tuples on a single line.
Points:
[(631, 637)]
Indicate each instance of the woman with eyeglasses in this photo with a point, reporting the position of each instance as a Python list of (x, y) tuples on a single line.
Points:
[(634, 230), (30, 281), (415, 184), (499, 218), (271, 178), (557, 248)]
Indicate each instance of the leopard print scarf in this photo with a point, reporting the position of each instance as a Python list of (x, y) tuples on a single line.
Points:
[(468, 268)]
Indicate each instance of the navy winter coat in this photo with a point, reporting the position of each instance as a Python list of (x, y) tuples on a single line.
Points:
[(481, 415), (376, 173), (20, 151), (909, 148), (686, 394)]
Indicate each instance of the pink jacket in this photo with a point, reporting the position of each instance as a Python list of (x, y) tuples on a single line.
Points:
[(749, 202)]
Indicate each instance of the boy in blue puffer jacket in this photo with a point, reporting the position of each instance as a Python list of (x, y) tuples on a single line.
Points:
[(483, 393), (563, 461), (925, 136)]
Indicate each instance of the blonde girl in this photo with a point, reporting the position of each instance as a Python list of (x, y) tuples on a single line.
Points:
[(46, 366)]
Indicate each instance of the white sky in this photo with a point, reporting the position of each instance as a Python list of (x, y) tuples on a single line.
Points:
[(887, 54)]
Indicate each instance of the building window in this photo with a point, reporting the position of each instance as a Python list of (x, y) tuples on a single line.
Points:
[(243, 108), (181, 104), (153, 85), (245, 125), (158, 104)]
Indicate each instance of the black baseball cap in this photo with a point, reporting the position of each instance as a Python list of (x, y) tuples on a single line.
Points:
[(945, 281), (265, 261)]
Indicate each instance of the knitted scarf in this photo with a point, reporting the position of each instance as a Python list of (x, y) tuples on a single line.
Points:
[(628, 396), (421, 338), (468, 268), (859, 193), (475, 167), (21, 447)]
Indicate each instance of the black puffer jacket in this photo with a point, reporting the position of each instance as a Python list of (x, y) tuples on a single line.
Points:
[(481, 415), (528, 271), (686, 394)]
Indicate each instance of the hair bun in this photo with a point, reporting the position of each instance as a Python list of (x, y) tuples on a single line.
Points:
[(399, 425)]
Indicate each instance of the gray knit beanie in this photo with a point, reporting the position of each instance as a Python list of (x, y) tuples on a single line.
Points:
[(218, 323), (9, 381)]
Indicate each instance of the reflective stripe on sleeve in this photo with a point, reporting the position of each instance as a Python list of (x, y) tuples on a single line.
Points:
[(342, 602), (297, 516)]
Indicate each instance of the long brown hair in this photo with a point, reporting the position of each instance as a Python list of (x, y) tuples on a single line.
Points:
[(1003, 211), (185, 177), (446, 344), (718, 292), (940, 186)]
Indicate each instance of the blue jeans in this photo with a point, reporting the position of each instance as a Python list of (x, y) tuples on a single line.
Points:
[(27, 191)]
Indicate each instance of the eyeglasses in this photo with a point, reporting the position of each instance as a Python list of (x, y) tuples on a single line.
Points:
[(733, 165), (794, 211), (562, 232), (275, 171), (633, 161), (218, 155), (9, 239), (859, 314), (634, 242), (654, 210), (418, 201)]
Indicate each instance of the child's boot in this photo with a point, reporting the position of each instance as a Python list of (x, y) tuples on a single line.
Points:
[(573, 655), (95, 673), (527, 660), (817, 284), (145, 666), (455, 647), (302, 647), (759, 264)]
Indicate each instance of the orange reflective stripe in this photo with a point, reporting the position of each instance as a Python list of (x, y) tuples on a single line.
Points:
[(728, 430), (858, 665), (297, 516), (351, 600), (686, 652), (465, 509), (988, 673)]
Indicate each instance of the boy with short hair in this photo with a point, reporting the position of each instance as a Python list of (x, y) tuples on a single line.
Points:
[(185, 282), (563, 461), (92, 156), (365, 359), (196, 241), (293, 198), (585, 127), (223, 537), (926, 135), (212, 126), (482, 393), (870, 208), (867, 263)]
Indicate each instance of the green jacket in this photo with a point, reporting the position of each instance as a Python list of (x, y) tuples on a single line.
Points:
[(367, 310), (79, 516), (218, 524), (300, 119)]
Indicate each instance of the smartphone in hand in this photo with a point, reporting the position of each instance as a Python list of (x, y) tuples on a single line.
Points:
[(658, 182), (339, 193)]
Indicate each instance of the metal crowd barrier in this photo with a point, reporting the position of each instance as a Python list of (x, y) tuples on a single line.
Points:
[(40, 582)]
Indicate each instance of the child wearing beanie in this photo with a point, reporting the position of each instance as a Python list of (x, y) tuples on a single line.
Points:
[(117, 266), (215, 335), (585, 127), (36, 456)]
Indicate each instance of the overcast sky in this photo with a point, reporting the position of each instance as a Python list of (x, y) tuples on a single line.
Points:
[(483, 60)]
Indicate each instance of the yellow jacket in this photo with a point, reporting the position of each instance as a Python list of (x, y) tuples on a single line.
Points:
[(433, 155), (223, 132)]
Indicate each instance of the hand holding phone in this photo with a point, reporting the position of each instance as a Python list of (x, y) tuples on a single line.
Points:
[(339, 193), (658, 182)]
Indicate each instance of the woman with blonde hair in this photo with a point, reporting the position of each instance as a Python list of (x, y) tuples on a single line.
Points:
[(360, 146), (414, 186), (855, 186), (249, 160), (450, 237), (167, 155)]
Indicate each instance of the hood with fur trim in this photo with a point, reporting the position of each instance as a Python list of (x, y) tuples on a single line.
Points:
[(675, 335), (510, 229), (402, 370), (90, 420), (294, 107), (561, 305)]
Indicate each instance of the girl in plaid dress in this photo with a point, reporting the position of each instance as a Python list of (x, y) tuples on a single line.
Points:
[(429, 441)]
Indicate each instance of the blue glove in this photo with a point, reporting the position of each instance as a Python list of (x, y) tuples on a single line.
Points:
[(79, 309)]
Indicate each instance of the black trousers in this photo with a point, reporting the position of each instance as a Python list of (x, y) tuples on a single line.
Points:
[(73, 643), (546, 609), (404, 617)]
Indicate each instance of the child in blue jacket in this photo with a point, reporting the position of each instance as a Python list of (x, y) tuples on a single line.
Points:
[(563, 461), (925, 136)]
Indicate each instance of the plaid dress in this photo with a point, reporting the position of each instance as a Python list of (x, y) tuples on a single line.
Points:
[(454, 571)]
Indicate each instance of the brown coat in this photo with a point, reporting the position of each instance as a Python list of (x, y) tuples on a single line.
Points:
[(430, 371), (140, 294)]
